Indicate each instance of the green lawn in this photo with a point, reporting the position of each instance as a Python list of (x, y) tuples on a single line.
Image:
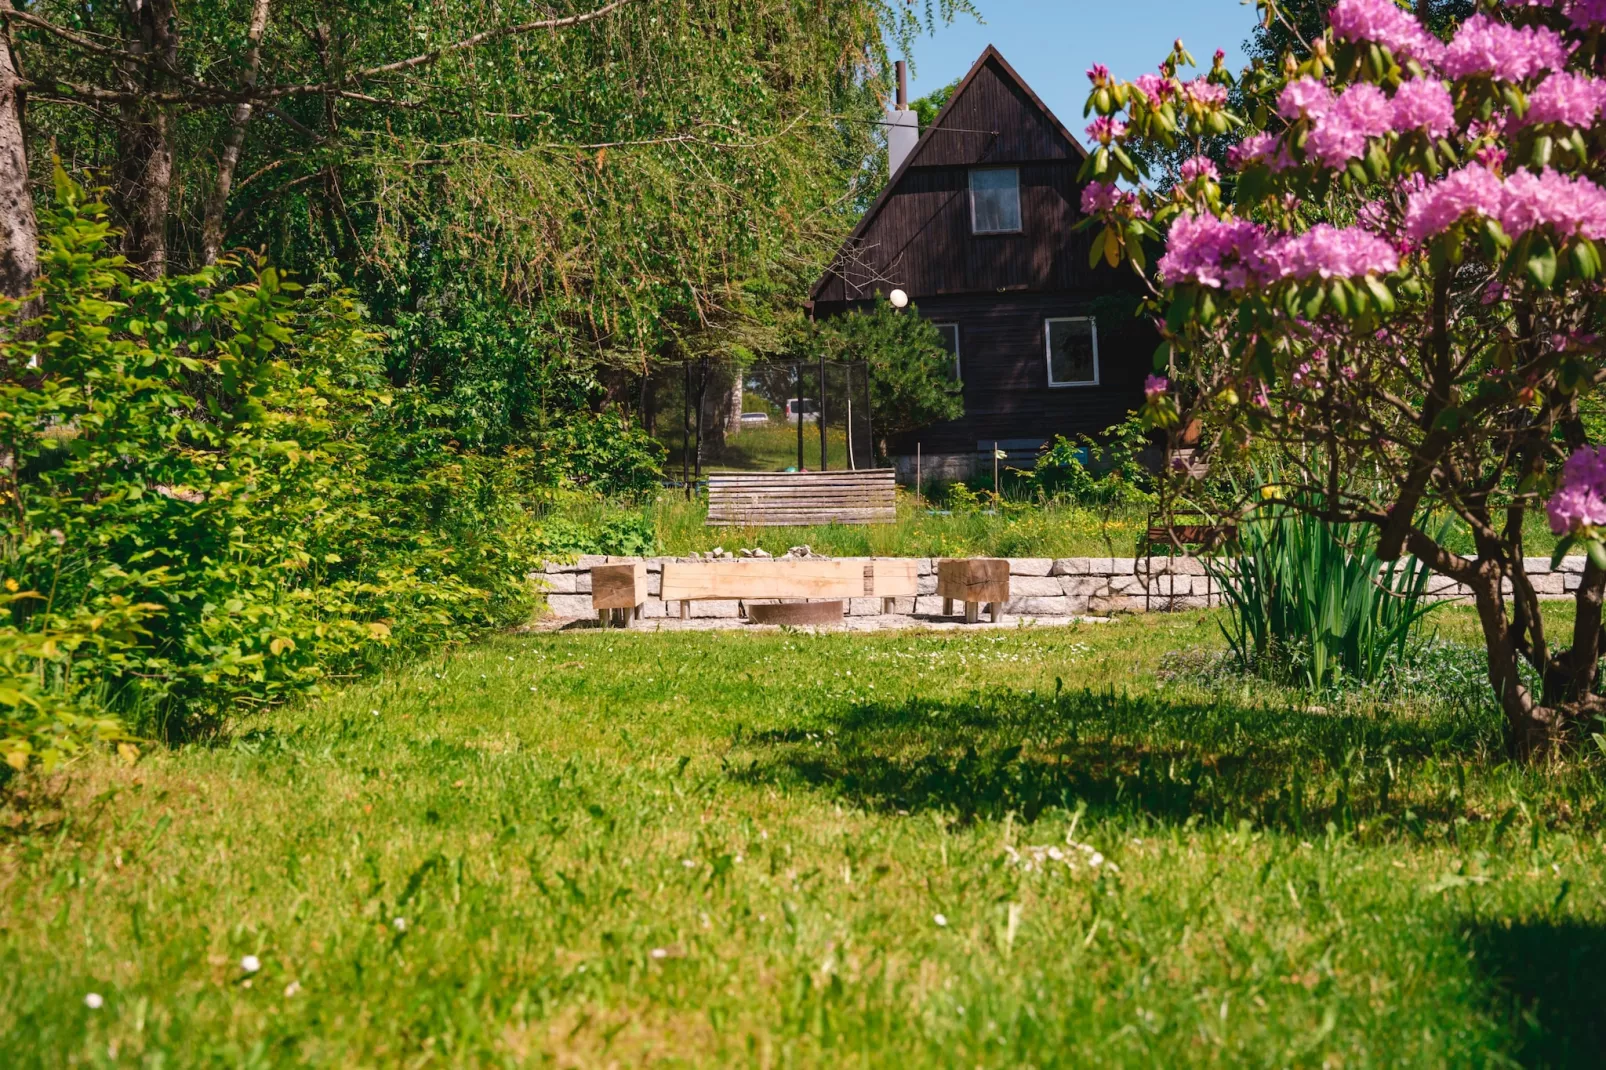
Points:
[(599, 849)]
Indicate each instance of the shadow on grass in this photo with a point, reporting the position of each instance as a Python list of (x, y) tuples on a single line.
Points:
[(1010, 751), (1549, 982)]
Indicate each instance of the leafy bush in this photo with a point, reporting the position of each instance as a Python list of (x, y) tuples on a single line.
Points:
[(1306, 602), (1095, 471), (209, 505)]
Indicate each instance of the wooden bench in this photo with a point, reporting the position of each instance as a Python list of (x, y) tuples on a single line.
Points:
[(798, 499), (618, 591), (749, 580), (973, 581), (1173, 535)]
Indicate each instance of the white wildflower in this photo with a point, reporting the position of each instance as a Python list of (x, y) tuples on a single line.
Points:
[(94, 1001), (292, 989), (940, 920), (659, 953), (250, 964), (400, 924)]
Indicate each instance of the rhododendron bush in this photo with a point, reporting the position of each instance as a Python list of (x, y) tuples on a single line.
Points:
[(1393, 281)]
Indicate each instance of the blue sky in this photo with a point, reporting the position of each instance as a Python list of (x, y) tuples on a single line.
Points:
[(1052, 43)]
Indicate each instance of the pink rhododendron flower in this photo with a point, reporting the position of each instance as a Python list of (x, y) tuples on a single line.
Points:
[(1211, 252), (1099, 197), (1383, 22), (1098, 74), (1330, 252), (1200, 91), (1341, 132), (1573, 99), (1579, 503), (1435, 208), (1105, 129), (1156, 386), (1510, 53), (1251, 149), (1568, 205), (1199, 167), (1157, 89), (1526, 201), (1424, 104), (1304, 99), (1583, 13)]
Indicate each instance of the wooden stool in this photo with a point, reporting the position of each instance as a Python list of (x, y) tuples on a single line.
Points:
[(618, 593), (973, 580)]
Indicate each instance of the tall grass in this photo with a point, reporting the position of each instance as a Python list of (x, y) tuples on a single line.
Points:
[(1309, 600)]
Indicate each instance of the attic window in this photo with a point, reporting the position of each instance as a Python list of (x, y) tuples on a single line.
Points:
[(995, 200)]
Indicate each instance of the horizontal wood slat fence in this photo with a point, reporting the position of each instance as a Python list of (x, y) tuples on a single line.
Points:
[(789, 499)]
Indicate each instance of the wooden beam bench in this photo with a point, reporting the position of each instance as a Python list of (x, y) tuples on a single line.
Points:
[(752, 580), (799, 499), (618, 592), (973, 581)]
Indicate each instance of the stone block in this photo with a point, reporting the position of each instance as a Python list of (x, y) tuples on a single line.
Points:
[(926, 583), (1536, 566), (1043, 586), (1439, 584), (1083, 586), (1572, 581), (1071, 566), (925, 566), (569, 605), (928, 605), (1105, 605), (655, 580), (557, 582), (589, 561), (582, 583), (1100, 566), (1059, 606), (709, 608), (864, 607), (653, 609), (557, 568), (1171, 585), (1547, 583), (1128, 585), (1123, 566), (1573, 564), (1030, 566), (900, 606)]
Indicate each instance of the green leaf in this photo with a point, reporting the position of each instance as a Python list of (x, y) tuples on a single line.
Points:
[(1562, 549), (1096, 253), (1597, 553), (1381, 292), (1542, 263)]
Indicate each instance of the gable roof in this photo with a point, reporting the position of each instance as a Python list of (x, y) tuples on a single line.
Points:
[(990, 54)]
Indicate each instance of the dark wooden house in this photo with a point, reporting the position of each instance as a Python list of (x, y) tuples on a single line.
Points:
[(976, 227)]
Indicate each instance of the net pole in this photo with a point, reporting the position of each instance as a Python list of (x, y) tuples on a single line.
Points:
[(821, 415), (797, 374)]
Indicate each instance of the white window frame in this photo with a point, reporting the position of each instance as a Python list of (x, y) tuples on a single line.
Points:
[(955, 326), (1048, 349), (1020, 213)]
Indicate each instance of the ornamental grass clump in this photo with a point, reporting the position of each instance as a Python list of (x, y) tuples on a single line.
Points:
[(1393, 270), (1309, 603)]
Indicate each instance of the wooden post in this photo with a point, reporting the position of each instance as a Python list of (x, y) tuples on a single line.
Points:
[(997, 612), (602, 617), (973, 581), (797, 374), (685, 432), (820, 415), (947, 607), (998, 492)]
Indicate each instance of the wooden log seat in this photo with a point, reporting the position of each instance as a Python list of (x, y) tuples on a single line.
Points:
[(618, 592), (973, 580), (797, 499), (750, 580)]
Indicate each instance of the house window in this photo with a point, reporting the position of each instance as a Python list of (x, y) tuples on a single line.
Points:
[(950, 342), (995, 200), (1073, 351)]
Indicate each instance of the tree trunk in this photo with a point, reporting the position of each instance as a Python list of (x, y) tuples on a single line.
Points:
[(19, 229), (144, 179), (1532, 730), (218, 201)]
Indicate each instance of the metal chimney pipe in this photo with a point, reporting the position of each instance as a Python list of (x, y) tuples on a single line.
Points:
[(903, 85)]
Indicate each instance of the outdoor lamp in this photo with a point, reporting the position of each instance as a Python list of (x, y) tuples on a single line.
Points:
[(899, 299)]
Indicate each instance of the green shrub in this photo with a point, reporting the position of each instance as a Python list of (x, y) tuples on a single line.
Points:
[(1308, 601), (209, 506)]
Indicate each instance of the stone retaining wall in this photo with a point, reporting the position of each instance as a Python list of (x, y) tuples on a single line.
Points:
[(1040, 586)]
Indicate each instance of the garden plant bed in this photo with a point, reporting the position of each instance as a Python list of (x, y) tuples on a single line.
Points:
[(823, 850)]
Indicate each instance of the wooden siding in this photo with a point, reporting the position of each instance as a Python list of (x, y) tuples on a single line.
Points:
[(920, 238), (1003, 366)]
